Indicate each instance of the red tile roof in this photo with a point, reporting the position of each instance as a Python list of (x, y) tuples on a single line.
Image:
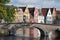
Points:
[(45, 10), (57, 12)]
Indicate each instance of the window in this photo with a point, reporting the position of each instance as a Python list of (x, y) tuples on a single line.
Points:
[(49, 18), (49, 22), (59, 16)]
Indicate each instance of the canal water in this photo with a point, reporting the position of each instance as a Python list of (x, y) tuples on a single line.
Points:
[(21, 38), (16, 38)]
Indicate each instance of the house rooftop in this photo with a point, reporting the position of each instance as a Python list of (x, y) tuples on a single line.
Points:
[(57, 12), (31, 9), (45, 10)]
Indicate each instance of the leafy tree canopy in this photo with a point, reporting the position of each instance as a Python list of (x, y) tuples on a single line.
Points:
[(10, 13), (4, 1), (6, 12)]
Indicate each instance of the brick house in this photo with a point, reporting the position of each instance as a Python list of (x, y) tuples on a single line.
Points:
[(45, 11), (58, 17)]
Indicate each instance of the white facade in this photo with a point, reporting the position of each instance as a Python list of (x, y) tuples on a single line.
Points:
[(49, 19), (27, 14), (40, 19), (36, 19)]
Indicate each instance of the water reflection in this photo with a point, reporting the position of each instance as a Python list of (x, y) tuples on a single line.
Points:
[(17, 38), (21, 38)]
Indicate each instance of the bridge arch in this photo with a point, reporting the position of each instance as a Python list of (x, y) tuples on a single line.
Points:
[(20, 28), (54, 35), (14, 29), (42, 35)]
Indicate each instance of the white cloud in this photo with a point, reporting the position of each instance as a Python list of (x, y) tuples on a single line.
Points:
[(11, 0), (57, 4), (28, 1), (48, 3), (37, 3)]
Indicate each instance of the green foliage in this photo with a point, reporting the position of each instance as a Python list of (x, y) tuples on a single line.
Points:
[(4, 1), (2, 12), (6, 12), (10, 14)]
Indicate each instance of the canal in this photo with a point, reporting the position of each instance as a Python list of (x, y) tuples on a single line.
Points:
[(22, 38), (14, 38), (17, 38)]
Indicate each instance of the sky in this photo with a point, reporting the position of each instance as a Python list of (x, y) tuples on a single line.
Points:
[(37, 3)]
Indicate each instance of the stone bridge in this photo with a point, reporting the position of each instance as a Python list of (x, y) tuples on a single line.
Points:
[(45, 28)]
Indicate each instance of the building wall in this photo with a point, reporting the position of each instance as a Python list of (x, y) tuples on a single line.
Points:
[(54, 14), (58, 19), (27, 14), (49, 19), (19, 16), (36, 14), (40, 19)]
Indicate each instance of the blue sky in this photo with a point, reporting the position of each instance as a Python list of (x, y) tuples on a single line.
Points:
[(38, 3)]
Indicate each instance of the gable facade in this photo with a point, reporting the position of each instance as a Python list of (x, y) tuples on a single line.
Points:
[(27, 14), (49, 19), (18, 15), (36, 14), (40, 17)]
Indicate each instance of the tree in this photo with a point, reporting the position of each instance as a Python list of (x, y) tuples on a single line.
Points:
[(2, 13), (4, 1), (6, 12), (10, 13)]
